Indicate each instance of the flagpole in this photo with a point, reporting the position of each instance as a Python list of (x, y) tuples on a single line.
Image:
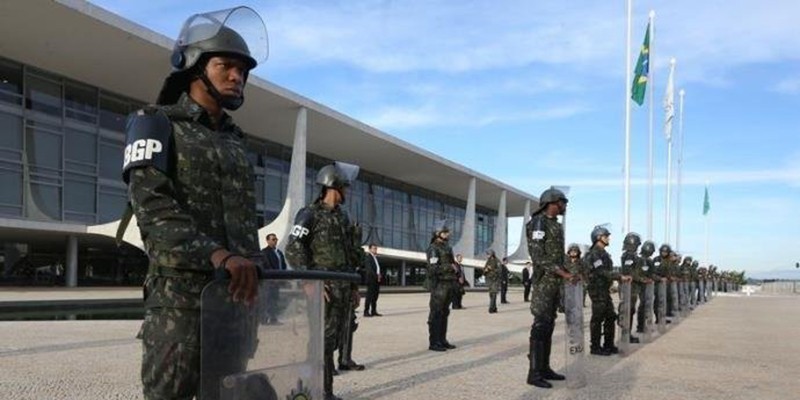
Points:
[(707, 216), (650, 149), (627, 207), (667, 222), (680, 172)]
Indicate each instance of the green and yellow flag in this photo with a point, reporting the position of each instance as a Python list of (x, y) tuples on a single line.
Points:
[(639, 86)]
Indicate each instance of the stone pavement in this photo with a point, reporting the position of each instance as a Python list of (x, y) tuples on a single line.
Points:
[(735, 347)]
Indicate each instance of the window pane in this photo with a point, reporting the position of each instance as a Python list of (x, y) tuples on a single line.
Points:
[(45, 202), (80, 146), (82, 99), (43, 95), (11, 182), (10, 131), (111, 160), (10, 82), (111, 206), (43, 147), (113, 113), (79, 195)]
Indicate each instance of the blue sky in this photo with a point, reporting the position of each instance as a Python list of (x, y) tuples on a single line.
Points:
[(531, 93)]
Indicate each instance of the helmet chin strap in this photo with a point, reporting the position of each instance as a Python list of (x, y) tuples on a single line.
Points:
[(227, 102)]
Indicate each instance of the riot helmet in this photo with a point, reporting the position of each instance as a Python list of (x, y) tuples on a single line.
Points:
[(574, 247), (631, 242), (664, 249), (440, 227), (337, 176), (598, 232), (648, 248), (687, 260), (236, 32), (551, 195)]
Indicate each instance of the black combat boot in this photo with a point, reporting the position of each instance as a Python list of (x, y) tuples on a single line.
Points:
[(547, 372), (327, 381), (609, 329), (535, 377), (433, 334), (493, 303), (594, 339), (443, 338)]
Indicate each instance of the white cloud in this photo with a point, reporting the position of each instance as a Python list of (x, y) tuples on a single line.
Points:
[(788, 86)]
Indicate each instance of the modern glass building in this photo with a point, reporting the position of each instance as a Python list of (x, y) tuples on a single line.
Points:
[(65, 91)]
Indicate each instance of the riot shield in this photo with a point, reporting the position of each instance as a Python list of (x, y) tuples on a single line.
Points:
[(662, 307), (272, 349), (684, 299), (649, 294), (624, 317), (702, 297), (673, 293), (692, 295), (573, 308)]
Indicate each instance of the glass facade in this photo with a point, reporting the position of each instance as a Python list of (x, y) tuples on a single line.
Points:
[(61, 148)]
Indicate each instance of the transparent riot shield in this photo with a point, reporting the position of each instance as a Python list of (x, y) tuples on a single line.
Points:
[(673, 293), (272, 349), (684, 299), (662, 307), (702, 298), (573, 308), (692, 295), (649, 297), (624, 317)]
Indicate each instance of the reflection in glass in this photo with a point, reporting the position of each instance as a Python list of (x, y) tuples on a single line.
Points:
[(44, 202), (10, 131), (113, 112), (43, 146), (43, 95), (10, 82)]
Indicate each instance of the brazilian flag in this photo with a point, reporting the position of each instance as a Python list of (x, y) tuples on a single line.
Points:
[(639, 85)]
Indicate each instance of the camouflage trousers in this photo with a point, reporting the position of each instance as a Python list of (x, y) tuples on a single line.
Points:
[(603, 317), (545, 298), (170, 337), (337, 310)]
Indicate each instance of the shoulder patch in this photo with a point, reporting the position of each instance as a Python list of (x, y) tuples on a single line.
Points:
[(628, 262), (597, 263), (303, 223), (147, 143)]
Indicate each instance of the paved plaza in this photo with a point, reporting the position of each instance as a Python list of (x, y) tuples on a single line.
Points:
[(735, 347)]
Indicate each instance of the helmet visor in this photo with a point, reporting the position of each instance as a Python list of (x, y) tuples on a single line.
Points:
[(243, 20), (348, 172)]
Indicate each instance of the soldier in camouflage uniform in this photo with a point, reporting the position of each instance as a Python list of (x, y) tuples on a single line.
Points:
[(575, 266), (546, 248), (322, 239), (633, 267), (601, 277), (191, 188), (650, 272), (491, 270), (444, 278)]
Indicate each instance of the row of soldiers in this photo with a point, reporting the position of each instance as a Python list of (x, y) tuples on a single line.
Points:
[(560, 277)]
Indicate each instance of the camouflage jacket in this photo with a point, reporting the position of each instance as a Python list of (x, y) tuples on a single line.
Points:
[(323, 239), (491, 270), (441, 261), (545, 246), (649, 268), (632, 265), (577, 267), (601, 270), (662, 267), (193, 192)]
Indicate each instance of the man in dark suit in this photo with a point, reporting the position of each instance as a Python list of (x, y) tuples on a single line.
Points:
[(527, 273), (275, 261), (374, 278)]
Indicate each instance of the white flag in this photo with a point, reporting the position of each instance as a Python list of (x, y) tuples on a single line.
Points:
[(669, 103)]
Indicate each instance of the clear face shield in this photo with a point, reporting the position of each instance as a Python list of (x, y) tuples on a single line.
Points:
[(348, 172), (242, 20)]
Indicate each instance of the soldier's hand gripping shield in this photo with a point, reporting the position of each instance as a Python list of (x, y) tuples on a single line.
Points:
[(624, 317), (649, 297), (243, 357), (573, 308)]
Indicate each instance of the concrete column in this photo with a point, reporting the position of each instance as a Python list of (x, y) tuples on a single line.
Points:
[(72, 261), (466, 243), (500, 243), (402, 272), (296, 191), (521, 254)]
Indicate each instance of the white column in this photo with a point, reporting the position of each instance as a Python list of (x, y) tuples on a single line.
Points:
[(500, 243), (296, 191), (466, 244), (521, 254), (72, 261), (402, 272)]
